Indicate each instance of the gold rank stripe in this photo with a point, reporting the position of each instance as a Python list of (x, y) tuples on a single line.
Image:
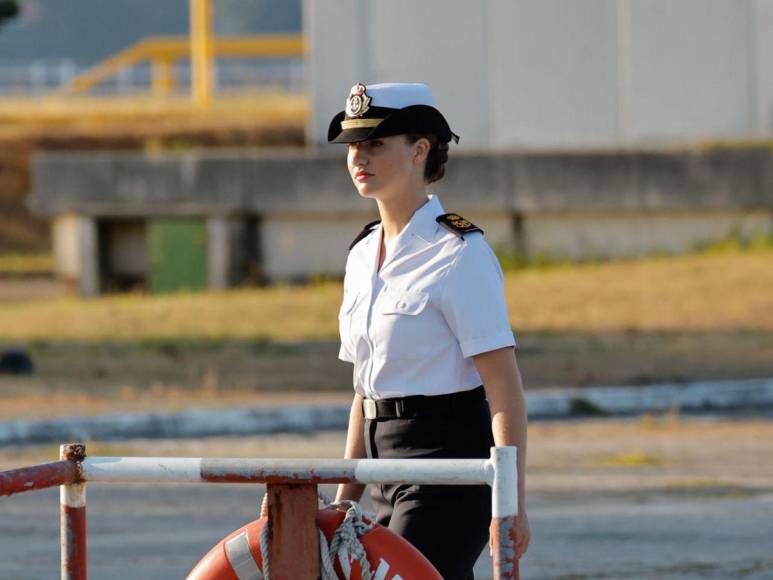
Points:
[(360, 123)]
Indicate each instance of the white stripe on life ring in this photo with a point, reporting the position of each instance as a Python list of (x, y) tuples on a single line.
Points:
[(237, 549), (382, 570)]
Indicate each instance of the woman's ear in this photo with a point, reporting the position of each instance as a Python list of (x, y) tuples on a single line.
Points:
[(421, 150)]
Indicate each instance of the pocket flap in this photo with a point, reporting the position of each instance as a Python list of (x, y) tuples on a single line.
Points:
[(405, 303)]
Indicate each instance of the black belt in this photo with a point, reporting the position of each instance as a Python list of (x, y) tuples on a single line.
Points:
[(405, 407)]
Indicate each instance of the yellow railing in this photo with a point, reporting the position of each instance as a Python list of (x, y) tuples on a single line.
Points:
[(75, 105), (164, 52)]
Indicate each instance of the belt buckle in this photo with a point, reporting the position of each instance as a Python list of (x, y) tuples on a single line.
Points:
[(369, 410)]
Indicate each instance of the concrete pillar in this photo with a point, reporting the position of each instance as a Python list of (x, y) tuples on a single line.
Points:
[(76, 253), (64, 237), (227, 249), (520, 235), (88, 252)]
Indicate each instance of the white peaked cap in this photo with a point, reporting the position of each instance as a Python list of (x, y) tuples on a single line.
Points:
[(400, 95), (386, 109)]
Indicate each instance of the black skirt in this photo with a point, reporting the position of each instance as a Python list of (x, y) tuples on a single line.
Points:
[(449, 524)]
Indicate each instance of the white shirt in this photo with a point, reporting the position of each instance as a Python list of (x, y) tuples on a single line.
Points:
[(411, 327)]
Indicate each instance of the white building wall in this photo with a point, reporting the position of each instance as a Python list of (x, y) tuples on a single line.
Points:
[(690, 69), (440, 42), (416, 42), (555, 73), (762, 67), (336, 53)]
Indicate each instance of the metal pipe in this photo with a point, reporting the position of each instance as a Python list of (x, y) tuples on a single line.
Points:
[(180, 470), (72, 518), (142, 469), (37, 477)]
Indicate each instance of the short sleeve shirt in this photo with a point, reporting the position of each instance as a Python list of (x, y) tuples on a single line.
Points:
[(411, 328)]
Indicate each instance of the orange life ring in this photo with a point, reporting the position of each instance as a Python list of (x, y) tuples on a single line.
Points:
[(389, 555)]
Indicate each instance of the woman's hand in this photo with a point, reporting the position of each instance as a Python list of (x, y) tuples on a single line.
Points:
[(522, 535)]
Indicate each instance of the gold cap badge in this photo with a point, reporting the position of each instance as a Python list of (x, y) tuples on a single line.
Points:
[(358, 102)]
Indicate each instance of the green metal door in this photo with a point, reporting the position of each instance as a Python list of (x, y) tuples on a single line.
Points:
[(178, 255)]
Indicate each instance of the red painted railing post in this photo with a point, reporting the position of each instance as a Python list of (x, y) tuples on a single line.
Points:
[(73, 517), (293, 532)]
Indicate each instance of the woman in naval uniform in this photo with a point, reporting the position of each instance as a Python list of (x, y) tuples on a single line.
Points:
[(424, 321)]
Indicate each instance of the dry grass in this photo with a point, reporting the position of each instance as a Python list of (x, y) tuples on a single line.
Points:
[(708, 292), (713, 292), (26, 264), (278, 313)]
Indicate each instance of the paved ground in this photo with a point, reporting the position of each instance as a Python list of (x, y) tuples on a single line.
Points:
[(666, 497), (161, 533)]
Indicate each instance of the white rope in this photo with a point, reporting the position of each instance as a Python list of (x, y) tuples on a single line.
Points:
[(345, 544), (346, 541), (264, 552)]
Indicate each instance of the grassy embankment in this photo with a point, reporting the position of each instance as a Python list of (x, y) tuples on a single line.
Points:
[(719, 290), (29, 126)]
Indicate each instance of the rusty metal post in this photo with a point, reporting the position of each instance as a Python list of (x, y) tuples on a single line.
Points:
[(504, 491), (72, 519), (292, 531)]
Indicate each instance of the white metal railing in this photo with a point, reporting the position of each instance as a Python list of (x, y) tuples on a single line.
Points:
[(74, 471)]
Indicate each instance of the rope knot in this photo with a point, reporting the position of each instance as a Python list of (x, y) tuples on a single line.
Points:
[(345, 544)]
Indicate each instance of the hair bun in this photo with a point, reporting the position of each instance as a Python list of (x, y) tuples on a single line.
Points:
[(436, 161)]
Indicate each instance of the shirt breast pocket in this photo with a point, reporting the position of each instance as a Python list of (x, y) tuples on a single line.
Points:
[(402, 328)]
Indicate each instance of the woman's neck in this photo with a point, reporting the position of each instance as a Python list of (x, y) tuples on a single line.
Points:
[(396, 213)]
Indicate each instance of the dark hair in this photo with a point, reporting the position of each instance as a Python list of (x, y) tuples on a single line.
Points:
[(434, 170)]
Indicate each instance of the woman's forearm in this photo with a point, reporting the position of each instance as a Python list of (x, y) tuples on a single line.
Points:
[(508, 425), (504, 391), (355, 449)]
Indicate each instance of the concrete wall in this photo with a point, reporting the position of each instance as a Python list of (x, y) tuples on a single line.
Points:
[(293, 215), (555, 73), (296, 246), (604, 235)]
